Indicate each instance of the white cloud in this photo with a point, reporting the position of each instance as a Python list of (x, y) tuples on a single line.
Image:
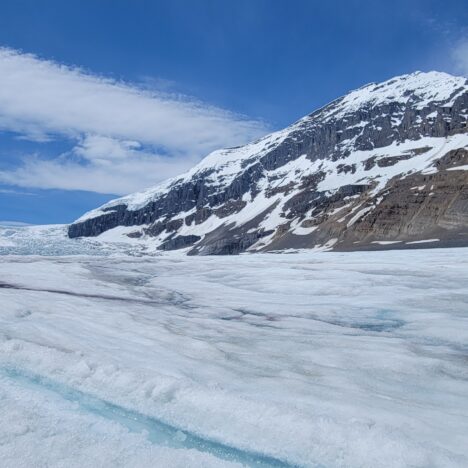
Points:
[(107, 174), (98, 147), (127, 138), (460, 57)]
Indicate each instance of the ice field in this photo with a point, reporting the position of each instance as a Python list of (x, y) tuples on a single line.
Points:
[(313, 359)]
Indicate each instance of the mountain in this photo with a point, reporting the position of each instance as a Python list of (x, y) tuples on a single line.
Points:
[(383, 166)]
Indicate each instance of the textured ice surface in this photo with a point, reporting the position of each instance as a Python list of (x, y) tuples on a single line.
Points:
[(308, 359), (52, 240)]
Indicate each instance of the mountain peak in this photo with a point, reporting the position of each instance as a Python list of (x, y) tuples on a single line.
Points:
[(418, 88)]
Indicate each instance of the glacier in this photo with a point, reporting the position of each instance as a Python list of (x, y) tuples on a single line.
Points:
[(308, 358)]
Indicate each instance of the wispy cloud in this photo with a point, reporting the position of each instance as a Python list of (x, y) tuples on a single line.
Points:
[(13, 224), (126, 137), (110, 173), (16, 192), (460, 56)]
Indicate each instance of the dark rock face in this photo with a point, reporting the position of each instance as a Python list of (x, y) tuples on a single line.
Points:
[(320, 201), (419, 206), (229, 245), (333, 133), (179, 242), (414, 208)]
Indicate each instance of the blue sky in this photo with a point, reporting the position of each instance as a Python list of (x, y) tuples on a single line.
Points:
[(100, 98)]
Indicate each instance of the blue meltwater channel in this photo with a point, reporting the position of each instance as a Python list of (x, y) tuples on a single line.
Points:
[(157, 432)]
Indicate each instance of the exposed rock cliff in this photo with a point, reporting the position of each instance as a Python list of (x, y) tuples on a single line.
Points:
[(385, 165)]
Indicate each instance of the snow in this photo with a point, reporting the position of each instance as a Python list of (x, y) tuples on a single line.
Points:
[(427, 87), (311, 359), (385, 242), (458, 168), (424, 241), (6, 243), (303, 231), (359, 215), (423, 161), (120, 232)]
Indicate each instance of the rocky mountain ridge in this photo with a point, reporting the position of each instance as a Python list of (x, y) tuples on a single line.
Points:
[(384, 166)]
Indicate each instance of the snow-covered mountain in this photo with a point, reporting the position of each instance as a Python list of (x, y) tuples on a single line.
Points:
[(385, 165)]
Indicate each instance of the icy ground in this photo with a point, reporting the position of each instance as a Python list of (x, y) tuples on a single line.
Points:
[(308, 359), (52, 240)]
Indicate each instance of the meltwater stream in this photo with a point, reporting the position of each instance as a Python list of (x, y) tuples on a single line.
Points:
[(156, 431)]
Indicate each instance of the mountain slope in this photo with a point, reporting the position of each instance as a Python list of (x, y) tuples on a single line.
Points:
[(384, 164)]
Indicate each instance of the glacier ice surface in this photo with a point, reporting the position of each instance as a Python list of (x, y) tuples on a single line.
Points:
[(309, 359)]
